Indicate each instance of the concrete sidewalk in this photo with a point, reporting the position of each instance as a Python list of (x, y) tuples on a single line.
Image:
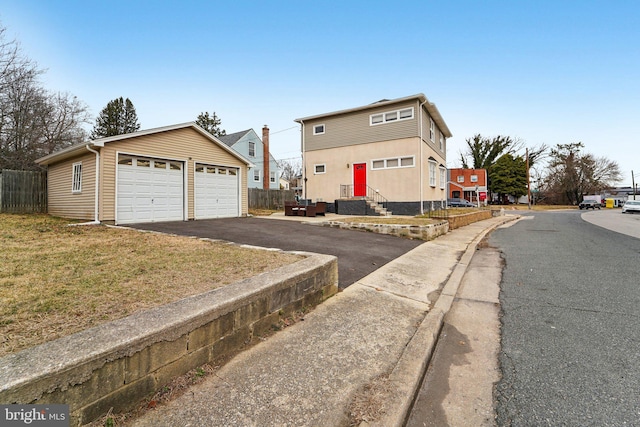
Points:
[(363, 351)]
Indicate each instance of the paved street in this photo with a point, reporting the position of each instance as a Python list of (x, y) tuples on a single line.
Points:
[(570, 338)]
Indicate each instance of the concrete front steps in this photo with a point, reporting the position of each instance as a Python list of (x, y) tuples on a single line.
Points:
[(379, 209)]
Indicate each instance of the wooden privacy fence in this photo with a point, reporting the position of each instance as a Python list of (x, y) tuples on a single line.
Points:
[(269, 199), (23, 191)]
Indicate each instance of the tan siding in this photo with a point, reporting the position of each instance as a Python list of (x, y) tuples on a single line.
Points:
[(354, 128), (169, 145), (396, 184), (62, 201)]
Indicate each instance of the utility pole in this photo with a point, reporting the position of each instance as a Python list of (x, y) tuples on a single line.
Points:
[(528, 182)]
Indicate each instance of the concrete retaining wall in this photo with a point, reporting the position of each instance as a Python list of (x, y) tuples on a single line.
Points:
[(117, 364), (424, 232)]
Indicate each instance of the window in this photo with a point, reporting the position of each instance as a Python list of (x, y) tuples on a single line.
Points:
[(143, 163), (175, 166), (125, 161), (318, 129), (252, 149), (443, 176), (432, 173), (391, 116), (432, 131), (318, 169), (394, 162), (460, 178), (474, 178), (272, 177), (233, 172), (256, 175), (441, 142), (407, 113), (77, 178), (159, 165)]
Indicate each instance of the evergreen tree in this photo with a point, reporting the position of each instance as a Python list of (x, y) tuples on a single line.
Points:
[(508, 176), (117, 118), (210, 123)]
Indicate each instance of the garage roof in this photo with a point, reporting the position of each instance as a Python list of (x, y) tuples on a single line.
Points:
[(74, 150)]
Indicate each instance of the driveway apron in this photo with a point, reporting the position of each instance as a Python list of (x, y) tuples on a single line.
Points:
[(359, 253)]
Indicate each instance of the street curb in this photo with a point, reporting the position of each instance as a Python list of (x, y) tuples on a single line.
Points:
[(406, 378)]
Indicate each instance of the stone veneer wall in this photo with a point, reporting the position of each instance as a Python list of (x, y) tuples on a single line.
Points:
[(117, 364)]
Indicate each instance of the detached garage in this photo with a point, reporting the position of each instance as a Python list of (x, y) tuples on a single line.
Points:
[(173, 173)]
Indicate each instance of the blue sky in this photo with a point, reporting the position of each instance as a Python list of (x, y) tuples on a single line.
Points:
[(542, 71)]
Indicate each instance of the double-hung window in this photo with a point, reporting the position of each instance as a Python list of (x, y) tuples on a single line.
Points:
[(432, 131), (256, 175), (432, 174), (443, 176), (76, 186), (252, 149)]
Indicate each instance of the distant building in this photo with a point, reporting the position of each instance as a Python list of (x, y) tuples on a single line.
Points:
[(468, 184)]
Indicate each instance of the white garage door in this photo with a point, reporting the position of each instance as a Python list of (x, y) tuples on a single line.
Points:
[(217, 194), (149, 190)]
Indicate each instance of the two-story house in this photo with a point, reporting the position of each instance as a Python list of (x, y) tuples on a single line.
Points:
[(392, 152), (469, 184), (265, 173)]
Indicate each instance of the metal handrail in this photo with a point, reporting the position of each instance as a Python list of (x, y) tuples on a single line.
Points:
[(347, 192)]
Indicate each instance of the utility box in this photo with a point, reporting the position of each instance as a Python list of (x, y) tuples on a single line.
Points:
[(609, 203)]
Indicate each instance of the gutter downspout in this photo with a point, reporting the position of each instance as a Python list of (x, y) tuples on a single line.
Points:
[(304, 165), (97, 153), (421, 165)]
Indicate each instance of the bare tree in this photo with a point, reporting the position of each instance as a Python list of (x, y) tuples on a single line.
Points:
[(290, 168), (572, 174), (33, 121)]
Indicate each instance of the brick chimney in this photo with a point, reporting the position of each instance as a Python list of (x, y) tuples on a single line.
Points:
[(265, 150)]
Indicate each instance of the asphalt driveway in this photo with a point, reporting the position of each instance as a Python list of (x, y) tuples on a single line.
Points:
[(359, 253)]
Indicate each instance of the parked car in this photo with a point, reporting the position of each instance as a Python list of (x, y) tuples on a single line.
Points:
[(589, 204), (631, 206), (460, 203)]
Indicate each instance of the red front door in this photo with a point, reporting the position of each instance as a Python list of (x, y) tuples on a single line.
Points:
[(359, 179)]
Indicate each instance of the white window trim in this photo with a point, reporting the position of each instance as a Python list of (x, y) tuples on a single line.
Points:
[(256, 174), (76, 185), (473, 178), (399, 159), (432, 173), (315, 129), (396, 119), (443, 177), (432, 130), (315, 168), (254, 149), (460, 178), (272, 177)]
